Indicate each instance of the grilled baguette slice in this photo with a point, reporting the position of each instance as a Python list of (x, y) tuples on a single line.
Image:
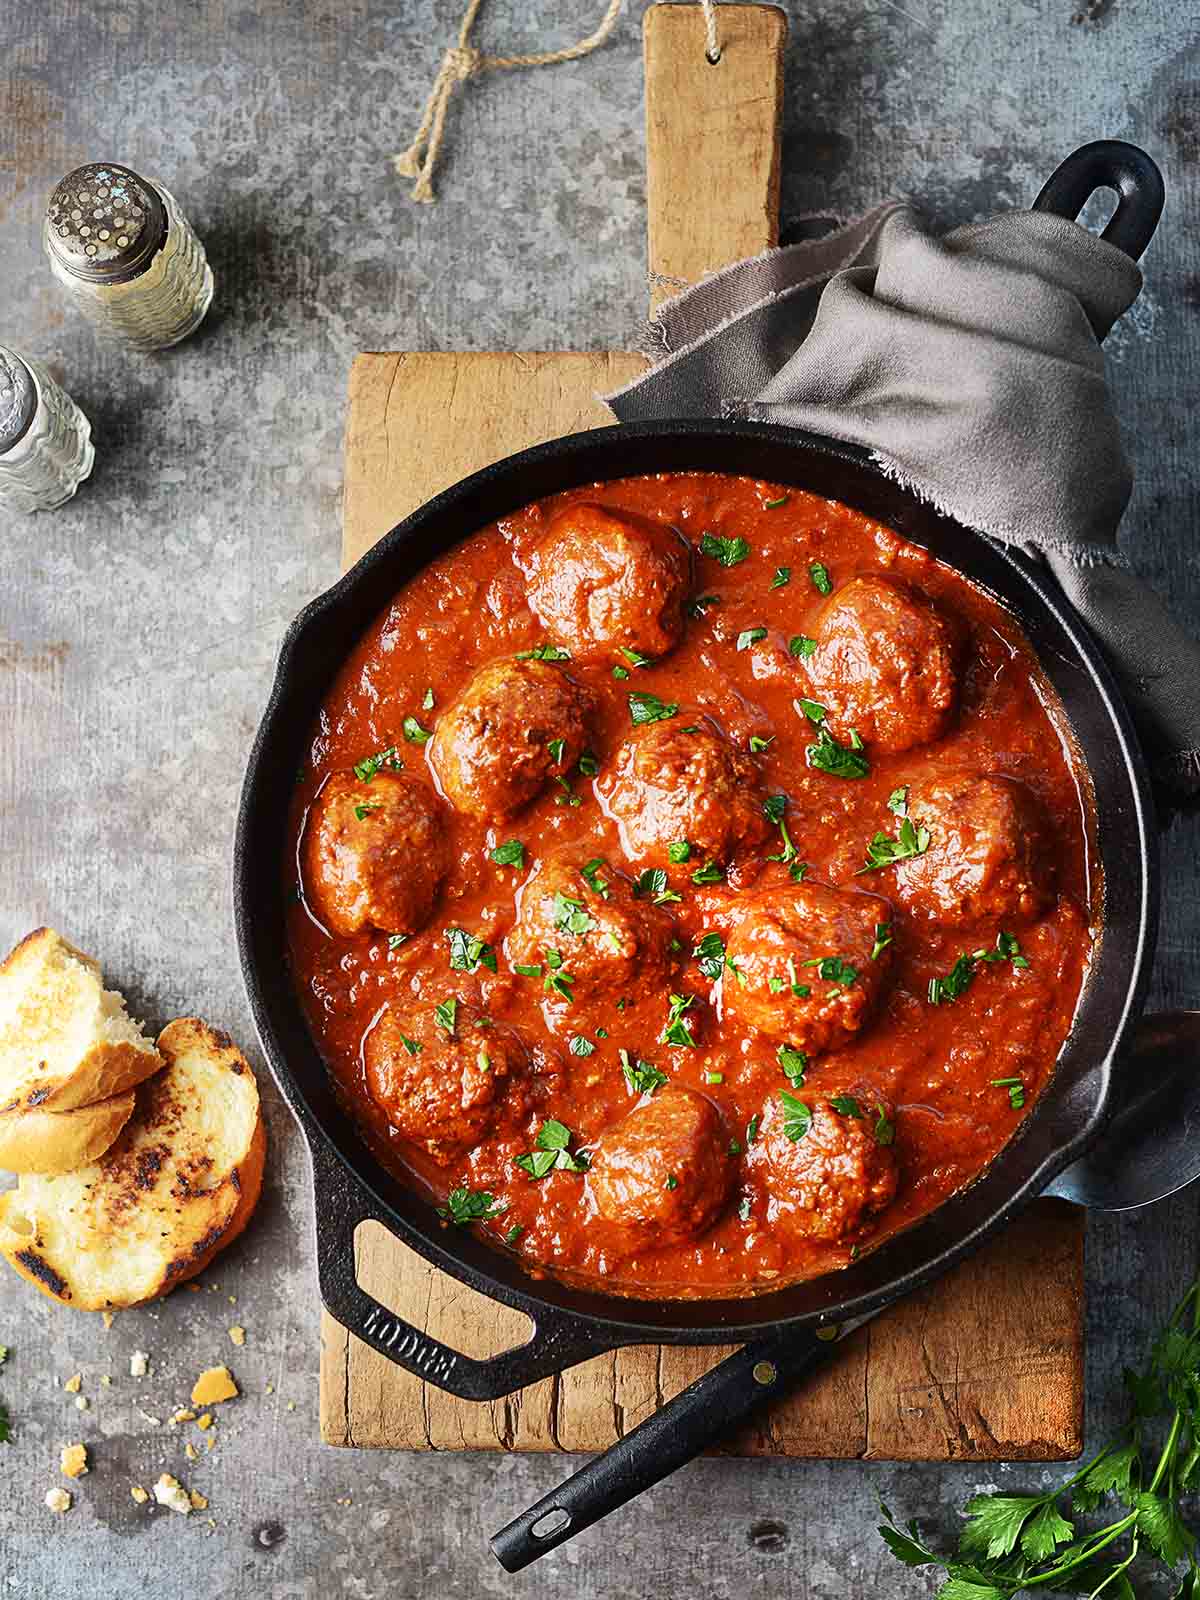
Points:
[(60, 1141), (179, 1185), (65, 1040)]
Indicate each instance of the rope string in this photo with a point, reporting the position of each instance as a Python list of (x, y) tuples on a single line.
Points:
[(462, 61), (712, 44)]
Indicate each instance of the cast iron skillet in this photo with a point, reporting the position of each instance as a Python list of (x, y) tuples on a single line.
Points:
[(571, 1324)]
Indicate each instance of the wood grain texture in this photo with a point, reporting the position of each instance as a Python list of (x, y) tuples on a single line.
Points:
[(972, 1368)]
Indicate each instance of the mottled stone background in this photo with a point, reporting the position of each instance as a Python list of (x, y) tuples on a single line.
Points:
[(138, 626)]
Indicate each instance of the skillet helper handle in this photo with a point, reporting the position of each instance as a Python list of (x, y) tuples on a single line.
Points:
[(702, 1415), (1109, 164), (340, 1204)]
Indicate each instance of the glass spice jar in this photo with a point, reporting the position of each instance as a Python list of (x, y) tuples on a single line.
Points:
[(45, 439), (127, 257)]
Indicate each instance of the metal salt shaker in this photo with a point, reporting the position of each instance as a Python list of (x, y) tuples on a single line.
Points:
[(45, 439), (126, 255)]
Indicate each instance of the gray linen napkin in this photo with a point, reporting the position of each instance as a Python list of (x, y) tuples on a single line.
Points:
[(971, 367)]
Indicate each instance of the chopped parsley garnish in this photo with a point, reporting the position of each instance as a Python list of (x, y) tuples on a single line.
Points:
[(783, 575), (635, 658), (602, 1033), (709, 956), (643, 1077), (414, 732), (556, 748), (710, 872), (413, 1046), (528, 972), (797, 1118), (651, 884), (884, 851), (727, 551), (714, 1077), (427, 702), (568, 797), (749, 636), (678, 852), (897, 801), (834, 970), (1016, 1090), (645, 708), (794, 1063), (552, 1151), (819, 574), (885, 1128), (468, 952), (470, 1205), (620, 674), (364, 771), (590, 873), (799, 871), (802, 646), (775, 810), (677, 1031), (743, 1209), (697, 607), (735, 1147), (752, 1129), (812, 710), (672, 1181), (514, 1233), (883, 938), (570, 916), (544, 652), (759, 744), (363, 812), (511, 854), (395, 940), (827, 755), (846, 1105), (446, 1015), (579, 1046), (589, 765), (961, 975), (557, 980), (773, 505)]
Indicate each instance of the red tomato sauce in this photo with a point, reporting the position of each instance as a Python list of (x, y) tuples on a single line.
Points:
[(936, 1065)]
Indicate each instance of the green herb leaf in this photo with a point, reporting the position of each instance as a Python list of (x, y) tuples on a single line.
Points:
[(590, 873), (827, 755), (812, 710), (364, 771), (697, 607), (643, 1077), (635, 658), (620, 674), (677, 1031), (727, 551), (645, 708), (846, 1105), (544, 652), (579, 1046), (772, 505), (749, 636), (819, 574), (798, 871), (794, 1063), (802, 646), (783, 576), (834, 970), (395, 940), (514, 1233), (468, 952), (797, 1117), (709, 956), (883, 938), (758, 744), (427, 702), (678, 852), (1044, 1531), (528, 972), (413, 1046), (897, 801), (511, 854), (885, 1128), (570, 916), (884, 851), (470, 1205), (557, 980), (589, 766), (446, 1015), (556, 747), (363, 812), (710, 872)]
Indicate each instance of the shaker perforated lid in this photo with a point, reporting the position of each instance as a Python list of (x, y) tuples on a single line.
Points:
[(18, 400), (104, 223)]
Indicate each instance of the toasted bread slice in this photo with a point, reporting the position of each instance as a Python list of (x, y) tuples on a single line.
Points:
[(65, 1040), (179, 1185), (60, 1141)]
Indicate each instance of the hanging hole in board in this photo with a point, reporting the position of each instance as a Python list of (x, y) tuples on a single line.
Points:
[(553, 1522)]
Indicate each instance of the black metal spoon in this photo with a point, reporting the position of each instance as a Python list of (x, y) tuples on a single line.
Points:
[(1149, 1151)]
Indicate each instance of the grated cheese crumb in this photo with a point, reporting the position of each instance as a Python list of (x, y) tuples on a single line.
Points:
[(138, 1494), (106, 1317), (58, 1500), (82, 1402), (74, 1384), (168, 1491), (213, 1387), (139, 1364), (184, 1416), (204, 1420), (190, 1451), (238, 1336), (73, 1460), (199, 1503), (105, 1381)]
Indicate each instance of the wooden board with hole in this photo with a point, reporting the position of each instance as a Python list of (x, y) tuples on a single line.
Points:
[(988, 1363)]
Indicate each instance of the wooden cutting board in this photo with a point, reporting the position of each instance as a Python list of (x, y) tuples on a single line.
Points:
[(988, 1363)]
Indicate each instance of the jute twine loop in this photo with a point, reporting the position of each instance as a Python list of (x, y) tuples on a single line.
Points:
[(462, 61)]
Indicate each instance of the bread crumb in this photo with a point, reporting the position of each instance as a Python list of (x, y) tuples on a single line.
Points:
[(105, 1380), (73, 1460), (82, 1402), (184, 1416), (213, 1387), (270, 1388), (190, 1451), (138, 1494), (238, 1336), (291, 1405), (204, 1420), (58, 1500), (211, 1442), (106, 1317), (199, 1503), (139, 1364), (74, 1384), (233, 1299), (168, 1491)]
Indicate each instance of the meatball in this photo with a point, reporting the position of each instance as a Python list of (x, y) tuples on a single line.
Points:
[(375, 853), (669, 784), (499, 742), (834, 1172), (986, 860), (604, 580), (666, 1167), (808, 965), (886, 664), (442, 1091), (611, 944)]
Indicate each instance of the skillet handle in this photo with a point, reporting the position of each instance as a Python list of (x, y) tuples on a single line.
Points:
[(341, 1203), (706, 1411), (1109, 164)]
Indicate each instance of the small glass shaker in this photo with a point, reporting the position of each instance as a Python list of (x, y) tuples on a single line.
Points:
[(126, 255), (45, 439)]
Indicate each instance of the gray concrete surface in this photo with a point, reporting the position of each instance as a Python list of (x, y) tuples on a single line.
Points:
[(137, 631)]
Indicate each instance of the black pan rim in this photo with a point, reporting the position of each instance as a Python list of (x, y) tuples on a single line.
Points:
[(616, 1319)]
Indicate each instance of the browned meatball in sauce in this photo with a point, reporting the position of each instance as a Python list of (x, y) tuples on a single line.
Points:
[(886, 664), (670, 784), (835, 1177), (986, 860), (611, 944), (666, 1168), (444, 1093), (375, 853), (492, 751), (605, 580), (804, 969)]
